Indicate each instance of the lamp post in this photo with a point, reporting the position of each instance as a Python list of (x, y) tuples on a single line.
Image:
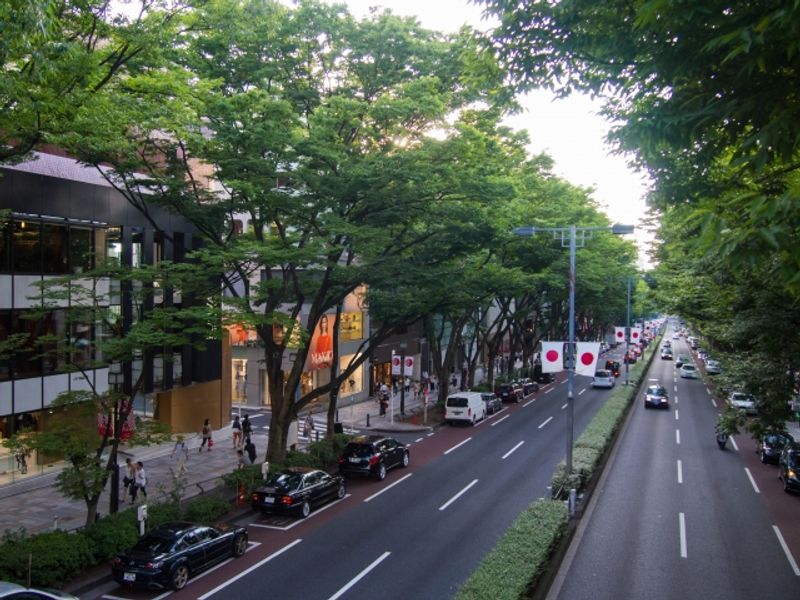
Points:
[(628, 335), (115, 380), (569, 236), (403, 379)]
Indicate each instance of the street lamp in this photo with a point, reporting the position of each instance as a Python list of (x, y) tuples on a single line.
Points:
[(403, 378), (115, 380), (568, 235)]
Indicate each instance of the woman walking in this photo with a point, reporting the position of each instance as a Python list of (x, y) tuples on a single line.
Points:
[(206, 434)]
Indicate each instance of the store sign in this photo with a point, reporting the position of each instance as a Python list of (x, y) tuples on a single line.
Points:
[(321, 353)]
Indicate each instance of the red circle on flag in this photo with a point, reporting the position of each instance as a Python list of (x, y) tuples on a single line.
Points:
[(620, 334), (551, 356), (635, 334), (396, 361), (587, 358), (409, 362)]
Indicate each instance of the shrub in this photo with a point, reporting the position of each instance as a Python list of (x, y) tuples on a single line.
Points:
[(249, 477), (207, 509), (162, 513), (327, 450), (55, 557), (112, 534), (521, 554)]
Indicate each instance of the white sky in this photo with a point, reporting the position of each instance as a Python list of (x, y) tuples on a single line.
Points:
[(569, 130)]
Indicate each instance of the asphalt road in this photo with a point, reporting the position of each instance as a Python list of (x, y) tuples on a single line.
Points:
[(676, 517), (422, 531)]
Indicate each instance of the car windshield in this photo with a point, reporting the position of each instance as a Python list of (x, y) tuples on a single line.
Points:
[(688, 367), (602, 374), (287, 481), (488, 397), (793, 460), (154, 544), (739, 397), (360, 450), (656, 390)]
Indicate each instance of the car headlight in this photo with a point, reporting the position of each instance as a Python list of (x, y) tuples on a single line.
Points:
[(791, 474)]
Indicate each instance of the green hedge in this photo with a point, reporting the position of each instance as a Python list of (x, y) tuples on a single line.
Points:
[(509, 570), (54, 557)]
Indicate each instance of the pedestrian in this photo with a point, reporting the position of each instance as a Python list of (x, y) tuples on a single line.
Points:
[(180, 452), (205, 432), (21, 456), (308, 425), (416, 390), (247, 426), (129, 478), (242, 461), (237, 432), (250, 449), (140, 482)]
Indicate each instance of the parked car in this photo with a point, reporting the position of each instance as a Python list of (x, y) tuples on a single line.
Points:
[(170, 553), (771, 445), (613, 366), (529, 386), (297, 490), (666, 354), (789, 468), (681, 360), (372, 456), (713, 367), (492, 402), (676, 335), (14, 591), (509, 392), (702, 354), (465, 407), (667, 344), (743, 401), (540, 377), (688, 371), (655, 396), (603, 379)]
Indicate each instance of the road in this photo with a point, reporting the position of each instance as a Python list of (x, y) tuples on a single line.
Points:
[(677, 518), (422, 531)]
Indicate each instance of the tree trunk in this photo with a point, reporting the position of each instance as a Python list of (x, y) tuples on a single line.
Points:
[(91, 510)]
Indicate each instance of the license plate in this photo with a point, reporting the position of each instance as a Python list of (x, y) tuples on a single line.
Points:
[(353, 459), (269, 500), (457, 412), (129, 577)]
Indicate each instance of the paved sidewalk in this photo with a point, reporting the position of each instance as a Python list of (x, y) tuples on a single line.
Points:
[(32, 502)]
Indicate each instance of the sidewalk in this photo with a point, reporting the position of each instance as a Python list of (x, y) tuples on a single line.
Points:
[(32, 502)]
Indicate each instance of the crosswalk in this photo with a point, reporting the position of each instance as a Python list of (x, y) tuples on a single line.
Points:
[(319, 431)]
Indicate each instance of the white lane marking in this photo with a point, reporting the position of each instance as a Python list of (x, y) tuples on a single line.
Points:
[(546, 422), (676, 399), (418, 440), (786, 550), (653, 379), (388, 487), (500, 420), (676, 415), (714, 402), (677, 436), (752, 481), (548, 391), (583, 390), (708, 391), (431, 433), (563, 406), (531, 401), (481, 422), (507, 454), (680, 471), (360, 576), (676, 389), (248, 570), (459, 444), (682, 527), (735, 447), (458, 495)]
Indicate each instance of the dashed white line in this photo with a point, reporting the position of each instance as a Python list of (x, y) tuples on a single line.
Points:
[(360, 576), (388, 487), (546, 422), (676, 415), (583, 390), (563, 406), (676, 389), (752, 481), (714, 402), (735, 447), (786, 550), (548, 391), (500, 420), (531, 401), (708, 391), (418, 440), (458, 445), (677, 436), (680, 471), (457, 496), (682, 527), (430, 434), (507, 454)]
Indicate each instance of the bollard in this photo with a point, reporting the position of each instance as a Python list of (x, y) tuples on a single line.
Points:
[(337, 416), (55, 523), (572, 501), (550, 492), (316, 436), (367, 419)]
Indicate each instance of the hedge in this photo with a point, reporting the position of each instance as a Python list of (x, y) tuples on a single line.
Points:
[(509, 570)]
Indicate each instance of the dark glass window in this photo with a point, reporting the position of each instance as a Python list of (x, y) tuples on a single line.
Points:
[(5, 247), (26, 247), (80, 249), (53, 325), (54, 248), (26, 362), (5, 329)]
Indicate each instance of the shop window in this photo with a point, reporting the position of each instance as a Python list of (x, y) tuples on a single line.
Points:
[(113, 244), (351, 326), (158, 372), (5, 247), (80, 249), (53, 333), (26, 362), (54, 248), (81, 338), (26, 247), (177, 369), (354, 383)]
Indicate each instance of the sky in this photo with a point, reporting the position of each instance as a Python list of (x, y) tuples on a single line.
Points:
[(570, 130)]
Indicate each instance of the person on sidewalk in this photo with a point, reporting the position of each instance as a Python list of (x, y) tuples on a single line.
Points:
[(250, 450), (247, 427), (180, 452), (140, 483), (237, 432), (205, 432), (242, 461), (129, 478), (308, 426)]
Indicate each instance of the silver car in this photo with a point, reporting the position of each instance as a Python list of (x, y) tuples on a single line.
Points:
[(713, 367), (688, 372), (603, 379), (744, 402)]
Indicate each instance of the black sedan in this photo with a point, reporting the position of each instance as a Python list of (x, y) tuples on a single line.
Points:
[(789, 468), (492, 402), (169, 554), (372, 456), (297, 490), (655, 396), (771, 445)]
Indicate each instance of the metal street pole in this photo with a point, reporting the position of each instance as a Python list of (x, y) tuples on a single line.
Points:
[(628, 336), (571, 349), (403, 379)]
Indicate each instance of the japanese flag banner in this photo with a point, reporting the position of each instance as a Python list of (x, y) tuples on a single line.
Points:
[(408, 366), (395, 364), (586, 358), (619, 334), (636, 335), (552, 357)]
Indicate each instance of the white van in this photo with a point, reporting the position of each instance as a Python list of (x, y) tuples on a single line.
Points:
[(464, 407)]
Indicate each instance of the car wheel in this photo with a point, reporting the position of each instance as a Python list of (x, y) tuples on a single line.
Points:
[(786, 486), (341, 492), (381, 474), (179, 577), (406, 460), (305, 509), (239, 545)]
